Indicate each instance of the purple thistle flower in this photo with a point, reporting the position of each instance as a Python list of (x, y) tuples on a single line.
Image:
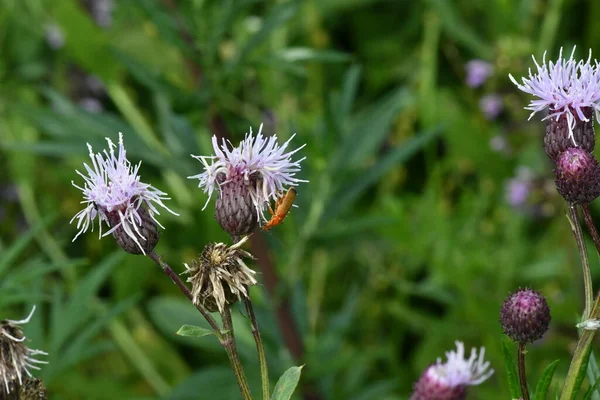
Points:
[(478, 71), (449, 380), (258, 167), (114, 194), (491, 105), (565, 87), (16, 359)]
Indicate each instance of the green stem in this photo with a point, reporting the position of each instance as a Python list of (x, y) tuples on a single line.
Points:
[(587, 215), (585, 262), (184, 289), (522, 374), (580, 358), (262, 359), (228, 342)]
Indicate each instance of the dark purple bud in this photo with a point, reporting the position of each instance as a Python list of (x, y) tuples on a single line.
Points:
[(234, 208), (137, 237), (577, 176), (525, 316)]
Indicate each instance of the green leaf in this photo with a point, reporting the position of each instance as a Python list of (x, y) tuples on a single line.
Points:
[(544, 383), (297, 54), (194, 331), (286, 384), (593, 375), (511, 372), (582, 373), (591, 390)]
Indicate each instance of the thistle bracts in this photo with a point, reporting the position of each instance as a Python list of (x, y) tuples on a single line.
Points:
[(219, 276), (577, 176), (16, 359)]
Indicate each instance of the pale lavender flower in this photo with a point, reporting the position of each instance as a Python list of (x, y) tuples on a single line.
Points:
[(16, 359), (565, 87), (478, 71), (113, 193), (518, 189), (257, 169), (491, 105), (449, 380)]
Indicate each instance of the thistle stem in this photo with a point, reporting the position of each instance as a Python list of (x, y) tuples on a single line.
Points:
[(585, 262), (591, 226), (580, 357), (522, 375), (228, 342), (262, 359), (184, 289)]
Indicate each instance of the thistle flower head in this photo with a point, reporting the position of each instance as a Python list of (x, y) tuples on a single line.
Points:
[(247, 177), (220, 277), (449, 380), (16, 359), (525, 316), (577, 176), (566, 88), (113, 194)]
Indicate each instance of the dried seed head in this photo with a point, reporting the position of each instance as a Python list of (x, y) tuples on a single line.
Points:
[(577, 176), (16, 359), (219, 277), (234, 209), (559, 138), (33, 389), (449, 380), (525, 316), (138, 237)]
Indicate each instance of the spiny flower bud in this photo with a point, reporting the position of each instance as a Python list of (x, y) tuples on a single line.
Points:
[(558, 137), (138, 238), (219, 277), (449, 381), (525, 316), (577, 176), (16, 359), (234, 208)]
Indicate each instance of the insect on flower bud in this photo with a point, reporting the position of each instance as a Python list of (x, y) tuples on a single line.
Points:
[(577, 176), (234, 208), (146, 234), (525, 316), (558, 139), (219, 277)]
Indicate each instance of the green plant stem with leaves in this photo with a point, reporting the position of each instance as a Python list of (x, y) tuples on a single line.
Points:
[(579, 362), (226, 336)]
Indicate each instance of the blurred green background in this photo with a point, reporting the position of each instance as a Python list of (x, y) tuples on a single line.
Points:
[(429, 198)]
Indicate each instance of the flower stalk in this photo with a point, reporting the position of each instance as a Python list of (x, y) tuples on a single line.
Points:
[(262, 359), (522, 374), (585, 261), (228, 342)]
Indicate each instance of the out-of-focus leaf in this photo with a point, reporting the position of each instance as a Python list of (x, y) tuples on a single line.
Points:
[(511, 372), (541, 390), (287, 384), (194, 331), (296, 54)]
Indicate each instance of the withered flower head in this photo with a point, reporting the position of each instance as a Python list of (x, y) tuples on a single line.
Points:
[(16, 359), (219, 277)]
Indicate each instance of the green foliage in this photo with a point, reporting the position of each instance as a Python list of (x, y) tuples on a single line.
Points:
[(402, 242), (541, 390)]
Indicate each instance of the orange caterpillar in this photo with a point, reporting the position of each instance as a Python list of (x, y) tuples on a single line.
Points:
[(282, 208)]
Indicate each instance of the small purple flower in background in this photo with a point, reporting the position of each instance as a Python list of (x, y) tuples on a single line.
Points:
[(449, 380), (247, 178), (101, 11), (54, 36), (16, 359), (565, 87), (478, 71), (519, 188), (499, 144), (491, 105), (114, 194)]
